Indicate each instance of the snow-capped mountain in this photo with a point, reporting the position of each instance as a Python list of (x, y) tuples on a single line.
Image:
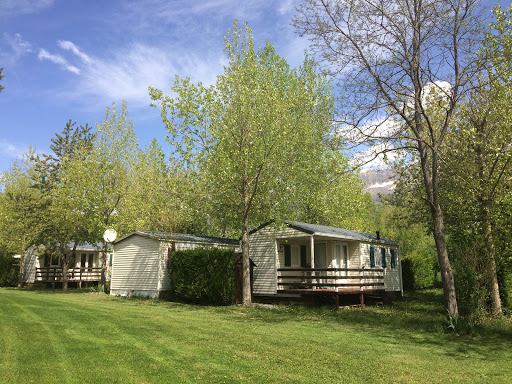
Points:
[(378, 181)]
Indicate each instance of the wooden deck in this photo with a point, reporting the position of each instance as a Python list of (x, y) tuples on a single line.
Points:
[(52, 275), (337, 283)]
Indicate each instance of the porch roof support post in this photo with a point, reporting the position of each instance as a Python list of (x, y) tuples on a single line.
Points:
[(399, 261), (312, 247)]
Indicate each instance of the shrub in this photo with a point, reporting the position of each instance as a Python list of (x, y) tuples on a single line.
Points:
[(469, 274), (9, 270), (505, 281), (470, 289), (418, 271), (203, 276)]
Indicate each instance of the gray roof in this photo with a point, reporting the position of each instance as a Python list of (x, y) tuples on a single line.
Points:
[(315, 229), (86, 246), (166, 236)]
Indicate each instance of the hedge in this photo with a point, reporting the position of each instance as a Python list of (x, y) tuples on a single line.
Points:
[(9, 270), (418, 271), (203, 276)]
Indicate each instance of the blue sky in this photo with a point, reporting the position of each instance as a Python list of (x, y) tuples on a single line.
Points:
[(70, 59)]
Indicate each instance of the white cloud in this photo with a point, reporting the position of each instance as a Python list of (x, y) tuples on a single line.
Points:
[(69, 46), (12, 7), (387, 184), (286, 7), (14, 48), (57, 59), (127, 74), (17, 44), (12, 150), (375, 156), (378, 129)]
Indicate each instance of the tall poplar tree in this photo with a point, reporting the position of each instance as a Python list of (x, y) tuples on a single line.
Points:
[(252, 136)]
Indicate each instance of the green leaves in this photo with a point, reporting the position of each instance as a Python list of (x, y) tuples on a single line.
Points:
[(253, 135)]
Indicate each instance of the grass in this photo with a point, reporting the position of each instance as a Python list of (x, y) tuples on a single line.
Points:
[(80, 337)]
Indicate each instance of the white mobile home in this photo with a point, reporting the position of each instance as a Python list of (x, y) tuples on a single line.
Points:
[(42, 267), (307, 259), (141, 259)]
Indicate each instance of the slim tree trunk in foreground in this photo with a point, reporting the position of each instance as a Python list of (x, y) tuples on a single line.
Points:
[(21, 276), (431, 191)]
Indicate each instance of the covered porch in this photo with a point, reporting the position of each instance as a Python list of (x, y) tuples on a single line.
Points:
[(84, 266), (322, 265), (334, 282)]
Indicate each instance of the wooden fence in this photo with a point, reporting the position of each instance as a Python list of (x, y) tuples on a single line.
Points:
[(54, 274), (336, 279)]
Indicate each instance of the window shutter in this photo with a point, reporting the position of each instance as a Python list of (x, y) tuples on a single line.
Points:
[(383, 254), (393, 260), (372, 257), (303, 256), (287, 255)]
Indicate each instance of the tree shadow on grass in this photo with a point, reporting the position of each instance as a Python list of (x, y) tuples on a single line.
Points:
[(419, 317)]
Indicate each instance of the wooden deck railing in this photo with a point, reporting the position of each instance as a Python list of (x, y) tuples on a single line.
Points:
[(54, 274), (330, 278)]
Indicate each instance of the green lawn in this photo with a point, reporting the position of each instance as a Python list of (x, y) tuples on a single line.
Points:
[(54, 337)]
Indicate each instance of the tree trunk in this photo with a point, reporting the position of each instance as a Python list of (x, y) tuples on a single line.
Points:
[(450, 298), (65, 269), (246, 264), (485, 220), (103, 279), (21, 276), (246, 267), (492, 274), (431, 189)]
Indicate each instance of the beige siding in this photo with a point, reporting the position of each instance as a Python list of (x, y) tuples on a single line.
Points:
[(285, 232), (140, 265), (392, 276), (354, 255), (136, 265), (31, 263), (262, 251)]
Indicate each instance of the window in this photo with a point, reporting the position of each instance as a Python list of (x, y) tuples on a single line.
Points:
[(393, 258), (287, 255), (383, 257), (83, 260), (295, 255), (110, 262), (341, 255), (303, 263), (372, 257), (337, 255), (91, 261), (321, 255), (54, 261)]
